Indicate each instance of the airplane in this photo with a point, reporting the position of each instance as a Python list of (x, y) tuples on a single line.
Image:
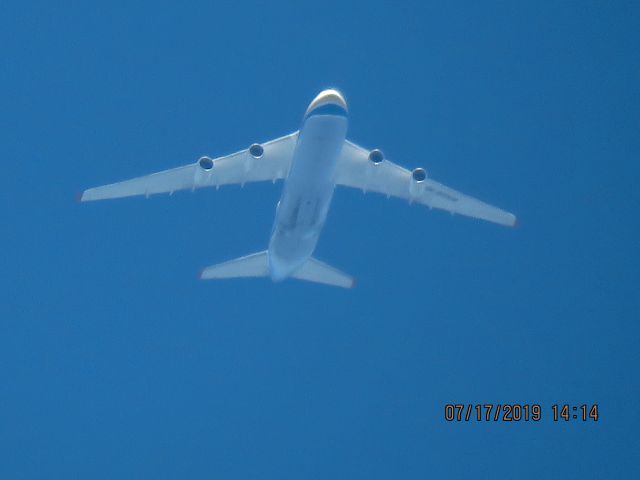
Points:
[(311, 161)]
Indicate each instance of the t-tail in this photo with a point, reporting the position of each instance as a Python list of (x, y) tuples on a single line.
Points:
[(257, 265)]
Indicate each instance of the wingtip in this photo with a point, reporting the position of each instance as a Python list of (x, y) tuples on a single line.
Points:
[(200, 274), (354, 282), (79, 196), (516, 223)]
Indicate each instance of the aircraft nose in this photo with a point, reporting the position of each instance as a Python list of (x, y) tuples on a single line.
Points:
[(331, 99)]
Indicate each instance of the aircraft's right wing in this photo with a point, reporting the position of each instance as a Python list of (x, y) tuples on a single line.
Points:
[(268, 161), (358, 170)]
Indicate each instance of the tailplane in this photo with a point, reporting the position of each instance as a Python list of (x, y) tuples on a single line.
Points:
[(316, 271), (257, 265)]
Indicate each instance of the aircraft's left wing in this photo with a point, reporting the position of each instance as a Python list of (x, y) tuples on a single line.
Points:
[(368, 170), (267, 161)]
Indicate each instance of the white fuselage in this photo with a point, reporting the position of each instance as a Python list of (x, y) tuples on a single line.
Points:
[(307, 193)]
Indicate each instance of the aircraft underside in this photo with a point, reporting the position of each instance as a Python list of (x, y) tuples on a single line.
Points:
[(312, 161)]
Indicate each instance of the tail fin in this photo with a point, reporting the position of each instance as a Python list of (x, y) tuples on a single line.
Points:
[(316, 271), (255, 265)]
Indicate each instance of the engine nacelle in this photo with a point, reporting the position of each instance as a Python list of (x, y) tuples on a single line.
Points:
[(376, 156), (203, 171), (416, 185), (254, 153), (256, 150), (205, 163)]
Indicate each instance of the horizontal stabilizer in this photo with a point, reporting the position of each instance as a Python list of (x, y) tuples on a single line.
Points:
[(316, 271), (255, 265)]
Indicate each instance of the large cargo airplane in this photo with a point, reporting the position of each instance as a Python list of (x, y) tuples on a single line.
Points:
[(312, 161)]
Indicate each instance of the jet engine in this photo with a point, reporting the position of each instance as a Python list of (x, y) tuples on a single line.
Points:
[(205, 163), (376, 156), (416, 185), (256, 150), (371, 170), (203, 172)]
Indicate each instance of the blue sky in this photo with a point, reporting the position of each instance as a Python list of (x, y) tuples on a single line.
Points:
[(115, 362)]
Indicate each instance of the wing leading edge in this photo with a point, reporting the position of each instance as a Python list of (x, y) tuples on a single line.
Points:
[(268, 161), (357, 170)]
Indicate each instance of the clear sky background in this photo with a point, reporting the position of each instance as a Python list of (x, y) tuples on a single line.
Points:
[(116, 362)]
